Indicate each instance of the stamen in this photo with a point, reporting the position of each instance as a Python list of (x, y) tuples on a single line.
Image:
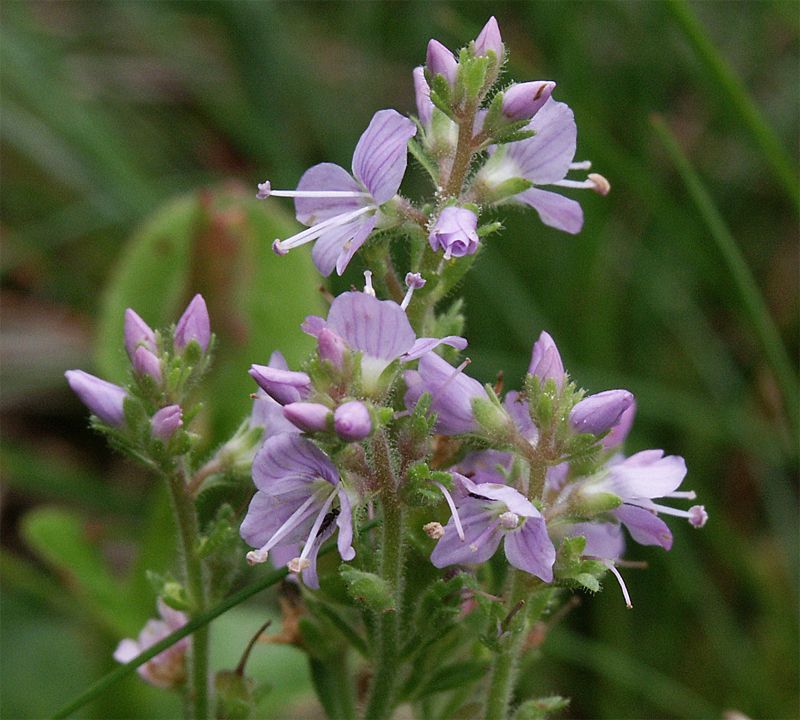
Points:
[(368, 289), (582, 165), (414, 281), (265, 190), (483, 537), (508, 520), (623, 587), (594, 182), (453, 510), (434, 530), (255, 557), (298, 564), (316, 526), (697, 516), (686, 495), (312, 233)]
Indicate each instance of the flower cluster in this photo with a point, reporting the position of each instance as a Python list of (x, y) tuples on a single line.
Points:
[(521, 137)]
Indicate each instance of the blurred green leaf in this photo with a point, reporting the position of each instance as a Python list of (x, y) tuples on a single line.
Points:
[(61, 539)]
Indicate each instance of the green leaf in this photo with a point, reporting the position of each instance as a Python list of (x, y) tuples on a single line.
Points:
[(455, 675), (60, 538)]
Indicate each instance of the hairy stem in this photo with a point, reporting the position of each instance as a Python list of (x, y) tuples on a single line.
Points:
[(197, 679), (464, 151), (384, 682)]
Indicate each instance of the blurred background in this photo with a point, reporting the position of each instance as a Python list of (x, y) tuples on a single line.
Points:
[(133, 135)]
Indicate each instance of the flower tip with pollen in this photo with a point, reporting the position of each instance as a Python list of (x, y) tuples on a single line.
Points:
[(278, 249), (433, 530), (298, 564), (264, 190), (599, 184), (698, 516), (256, 557)]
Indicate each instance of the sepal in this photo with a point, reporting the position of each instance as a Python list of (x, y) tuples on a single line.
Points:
[(540, 708), (369, 589)]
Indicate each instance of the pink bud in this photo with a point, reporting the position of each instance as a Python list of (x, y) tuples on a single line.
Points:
[(352, 421), (166, 421), (331, 347), (598, 413), (523, 100), (455, 232), (546, 361), (489, 39), (103, 398), (440, 61), (194, 324), (310, 417), (145, 363), (137, 333)]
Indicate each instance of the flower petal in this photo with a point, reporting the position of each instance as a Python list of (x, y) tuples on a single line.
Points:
[(425, 345), (517, 408), (603, 540), (554, 210), (380, 158), (344, 521), (378, 328), (285, 459), (647, 474), (530, 549), (268, 512), (514, 501), (451, 550), (644, 526), (327, 176), (545, 157), (335, 247)]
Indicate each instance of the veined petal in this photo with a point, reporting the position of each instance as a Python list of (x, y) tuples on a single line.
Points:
[(380, 158), (425, 345), (335, 247), (289, 456), (530, 549), (554, 210), (515, 501), (344, 521), (545, 157), (603, 540), (267, 513), (475, 521), (327, 176), (646, 475), (517, 408), (378, 328), (644, 526)]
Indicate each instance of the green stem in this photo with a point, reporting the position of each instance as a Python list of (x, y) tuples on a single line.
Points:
[(384, 682), (197, 679), (463, 157), (506, 662)]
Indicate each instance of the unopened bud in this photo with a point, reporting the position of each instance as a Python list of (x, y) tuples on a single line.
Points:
[(310, 417), (145, 363), (194, 324), (166, 421), (455, 232), (137, 333), (331, 347), (523, 100), (600, 412), (440, 61), (489, 39), (546, 361), (103, 398), (352, 421), (284, 386)]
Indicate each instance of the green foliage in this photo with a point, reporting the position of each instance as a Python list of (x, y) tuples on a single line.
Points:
[(540, 708), (368, 588)]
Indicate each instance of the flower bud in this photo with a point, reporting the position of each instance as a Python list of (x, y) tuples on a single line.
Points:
[(331, 347), (620, 431), (422, 94), (166, 421), (455, 232), (489, 39), (523, 100), (598, 413), (284, 386), (352, 421), (103, 398), (440, 61), (138, 333), (310, 417), (194, 324), (145, 363), (546, 361)]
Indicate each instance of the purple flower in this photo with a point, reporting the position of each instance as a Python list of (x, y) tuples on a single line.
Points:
[(637, 481), (331, 348), (103, 398), (167, 669), (268, 414), (422, 96), (297, 487), (138, 333), (599, 413), (546, 361), (378, 329), (490, 514), (440, 61), (517, 407), (544, 159), (146, 363), (166, 421), (489, 40), (340, 209), (194, 324), (283, 385), (455, 232), (309, 417), (352, 421), (452, 393), (523, 100)]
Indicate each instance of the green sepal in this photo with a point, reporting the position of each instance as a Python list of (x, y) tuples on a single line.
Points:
[(234, 695), (221, 532), (441, 94), (589, 504), (472, 73), (136, 417), (509, 137), (506, 189), (169, 590), (540, 708), (368, 588), (489, 229)]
